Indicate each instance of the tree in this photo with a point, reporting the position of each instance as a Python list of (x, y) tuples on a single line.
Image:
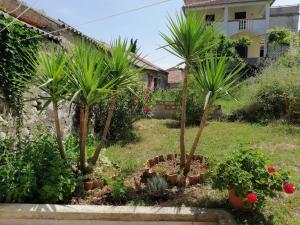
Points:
[(89, 78), (214, 81), (121, 67), (49, 75), (189, 38), (133, 45)]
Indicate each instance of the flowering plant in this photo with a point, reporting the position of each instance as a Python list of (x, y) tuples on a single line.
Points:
[(247, 172)]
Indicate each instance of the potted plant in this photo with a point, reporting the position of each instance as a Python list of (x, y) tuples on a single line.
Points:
[(193, 177), (249, 180), (172, 176), (88, 183)]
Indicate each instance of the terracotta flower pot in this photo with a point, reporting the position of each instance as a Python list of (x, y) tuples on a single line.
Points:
[(88, 185), (237, 202), (181, 180), (152, 173), (161, 158), (172, 178), (170, 156), (98, 183), (202, 177), (198, 158), (151, 163), (193, 180)]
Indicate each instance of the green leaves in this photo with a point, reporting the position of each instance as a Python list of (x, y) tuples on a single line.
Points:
[(189, 36), (245, 170), (214, 78), (88, 74), (49, 73), (121, 63)]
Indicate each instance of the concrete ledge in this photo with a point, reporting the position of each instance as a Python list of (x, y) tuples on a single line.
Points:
[(38, 214)]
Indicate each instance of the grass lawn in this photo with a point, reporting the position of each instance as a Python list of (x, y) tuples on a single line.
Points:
[(281, 143)]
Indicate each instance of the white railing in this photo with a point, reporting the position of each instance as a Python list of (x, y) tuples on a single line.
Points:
[(256, 26)]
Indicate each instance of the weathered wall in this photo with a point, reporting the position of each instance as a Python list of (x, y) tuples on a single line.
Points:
[(34, 119)]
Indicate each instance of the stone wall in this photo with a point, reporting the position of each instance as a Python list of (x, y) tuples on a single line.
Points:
[(165, 110), (33, 118)]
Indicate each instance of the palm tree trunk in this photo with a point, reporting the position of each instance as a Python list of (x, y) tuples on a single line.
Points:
[(111, 109), (58, 131), (183, 116), (84, 116), (198, 135)]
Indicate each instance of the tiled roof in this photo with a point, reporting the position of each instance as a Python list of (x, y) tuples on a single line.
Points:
[(41, 32), (203, 3), (142, 62)]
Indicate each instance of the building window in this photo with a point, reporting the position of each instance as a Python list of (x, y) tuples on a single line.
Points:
[(155, 83), (262, 51), (241, 16), (209, 19), (242, 51)]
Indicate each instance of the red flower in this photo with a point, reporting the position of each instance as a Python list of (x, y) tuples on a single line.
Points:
[(289, 188), (271, 169), (147, 109), (252, 198)]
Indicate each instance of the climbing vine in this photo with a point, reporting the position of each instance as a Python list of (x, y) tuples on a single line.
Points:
[(14, 65)]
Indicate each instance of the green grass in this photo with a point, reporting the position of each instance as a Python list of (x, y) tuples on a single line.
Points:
[(281, 143)]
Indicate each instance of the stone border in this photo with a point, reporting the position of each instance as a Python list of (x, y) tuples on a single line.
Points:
[(112, 213)]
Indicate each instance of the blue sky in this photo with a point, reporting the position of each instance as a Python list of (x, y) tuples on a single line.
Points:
[(143, 25)]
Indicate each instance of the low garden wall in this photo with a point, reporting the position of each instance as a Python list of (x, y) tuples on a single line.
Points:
[(165, 110), (38, 214)]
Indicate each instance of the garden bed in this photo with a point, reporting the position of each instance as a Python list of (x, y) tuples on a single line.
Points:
[(169, 167)]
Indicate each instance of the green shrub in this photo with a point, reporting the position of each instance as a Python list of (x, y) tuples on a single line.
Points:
[(283, 36), (17, 179), (274, 94), (55, 181), (129, 108), (118, 190), (246, 171), (35, 172), (194, 105)]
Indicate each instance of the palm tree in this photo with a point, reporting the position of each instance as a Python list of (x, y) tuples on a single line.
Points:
[(49, 75), (89, 78), (213, 80), (189, 38), (121, 63)]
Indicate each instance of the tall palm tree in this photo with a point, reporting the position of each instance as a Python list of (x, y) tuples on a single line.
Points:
[(89, 78), (121, 65), (214, 79), (49, 75), (189, 38)]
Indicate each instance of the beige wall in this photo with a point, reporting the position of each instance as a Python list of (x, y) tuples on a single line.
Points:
[(254, 48), (253, 12)]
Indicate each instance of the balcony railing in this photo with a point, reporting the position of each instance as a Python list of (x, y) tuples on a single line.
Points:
[(256, 26)]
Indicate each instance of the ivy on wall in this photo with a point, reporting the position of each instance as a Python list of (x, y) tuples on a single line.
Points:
[(14, 65)]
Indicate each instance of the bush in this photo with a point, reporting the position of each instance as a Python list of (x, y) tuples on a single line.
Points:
[(283, 36), (246, 171), (275, 93), (194, 105), (17, 180), (34, 172), (55, 181), (129, 108)]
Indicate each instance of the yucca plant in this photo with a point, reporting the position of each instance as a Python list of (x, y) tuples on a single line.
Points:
[(189, 38), (90, 82), (214, 79), (121, 65), (49, 75)]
